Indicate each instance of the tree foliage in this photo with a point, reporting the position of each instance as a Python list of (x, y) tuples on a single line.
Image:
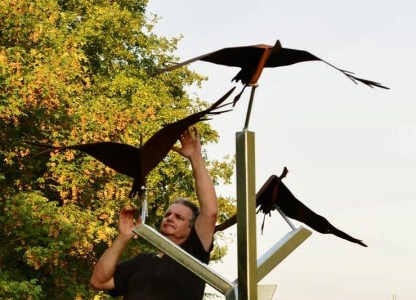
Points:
[(76, 71)]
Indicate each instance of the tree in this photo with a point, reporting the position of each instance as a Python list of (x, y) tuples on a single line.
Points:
[(75, 71)]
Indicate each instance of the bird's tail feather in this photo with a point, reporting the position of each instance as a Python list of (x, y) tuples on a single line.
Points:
[(220, 112), (219, 103), (350, 75), (367, 82)]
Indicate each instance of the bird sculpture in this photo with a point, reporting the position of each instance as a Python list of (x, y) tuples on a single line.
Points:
[(275, 195), (253, 59), (138, 162)]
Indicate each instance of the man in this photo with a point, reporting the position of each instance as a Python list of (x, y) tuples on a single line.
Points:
[(151, 276)]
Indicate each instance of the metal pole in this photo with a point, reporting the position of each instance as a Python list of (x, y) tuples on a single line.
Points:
[(246, 216), (284, 217), (250, 105), (143, 214)]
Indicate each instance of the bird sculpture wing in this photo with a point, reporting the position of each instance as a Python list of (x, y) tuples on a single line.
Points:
[(158, 146), (231, 57), (286, 57), (122, 158), (275, 194)]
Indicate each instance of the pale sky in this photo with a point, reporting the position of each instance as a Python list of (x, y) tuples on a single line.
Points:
[(350, 149)]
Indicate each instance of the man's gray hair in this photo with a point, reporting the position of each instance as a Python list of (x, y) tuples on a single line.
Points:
[(194, 208)]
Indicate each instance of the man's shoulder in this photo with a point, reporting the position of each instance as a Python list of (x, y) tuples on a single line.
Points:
[(193, 245)]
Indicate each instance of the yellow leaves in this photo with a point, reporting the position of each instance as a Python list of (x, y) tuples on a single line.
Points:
[(112, 190), (33, 260), (151, 113), (34, 37), (100, 296), (101, 236), (38, 256), (69, 155), (55, 134), (24, 152), (75, 190), (103, 216), (34, 207), (104, 234), (87, 81), (109, 191), (3, 59), (87, 172), (16, 66), (82, 247), (64, 195), (54, 16), (62, 178), (8, 160)]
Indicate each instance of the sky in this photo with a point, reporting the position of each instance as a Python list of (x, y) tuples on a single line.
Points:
[(350, 149)]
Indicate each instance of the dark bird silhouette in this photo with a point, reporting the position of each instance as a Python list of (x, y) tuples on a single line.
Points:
[(274, 194), (138, 162), (253, 59)]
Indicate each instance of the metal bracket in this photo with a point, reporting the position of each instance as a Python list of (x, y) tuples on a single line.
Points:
[(268, 261)]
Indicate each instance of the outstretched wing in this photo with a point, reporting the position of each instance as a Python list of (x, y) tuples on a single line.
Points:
[(286, 57), (122, 158), (232, 56), (237, 56), (158, 146)]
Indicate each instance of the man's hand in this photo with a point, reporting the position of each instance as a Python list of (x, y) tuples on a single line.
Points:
[(191, 143), (126, 222)]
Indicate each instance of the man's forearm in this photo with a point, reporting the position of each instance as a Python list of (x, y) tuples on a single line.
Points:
[(102, 277), (205, 190)]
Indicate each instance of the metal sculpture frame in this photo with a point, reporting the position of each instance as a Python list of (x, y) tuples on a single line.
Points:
[(250, 269)]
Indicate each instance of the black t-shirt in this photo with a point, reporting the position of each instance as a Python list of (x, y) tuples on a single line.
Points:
[(149, 277)]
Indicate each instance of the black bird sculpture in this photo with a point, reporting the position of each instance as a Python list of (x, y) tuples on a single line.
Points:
[(138, 162), (274, 194), (253, 59)]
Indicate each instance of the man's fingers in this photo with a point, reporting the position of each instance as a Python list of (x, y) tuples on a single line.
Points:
[(138, 221), (187, 133), (190, 133), (196, 133), (129, 211)]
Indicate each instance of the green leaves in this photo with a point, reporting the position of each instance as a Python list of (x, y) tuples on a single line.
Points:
[(45, 239), (10, 289), (76, 72)]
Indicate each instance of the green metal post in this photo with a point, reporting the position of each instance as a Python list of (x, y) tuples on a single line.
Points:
[(246, 216)]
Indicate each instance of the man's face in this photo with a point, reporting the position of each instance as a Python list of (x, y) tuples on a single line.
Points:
[(176, 222)]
